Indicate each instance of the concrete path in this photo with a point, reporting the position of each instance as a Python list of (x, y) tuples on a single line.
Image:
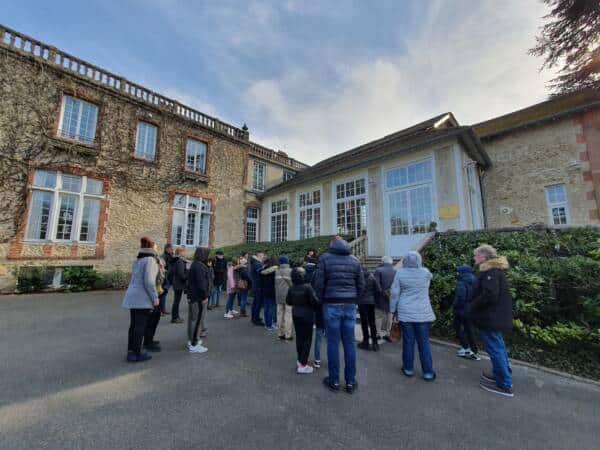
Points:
[(64, 385)]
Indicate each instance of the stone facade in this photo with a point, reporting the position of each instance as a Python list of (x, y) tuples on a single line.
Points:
[(138, 194)]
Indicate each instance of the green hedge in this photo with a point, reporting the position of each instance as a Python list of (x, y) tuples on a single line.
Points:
[(555, 281), (295, 250)]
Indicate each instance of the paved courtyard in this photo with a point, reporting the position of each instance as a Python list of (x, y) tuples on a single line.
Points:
[(64, 385)]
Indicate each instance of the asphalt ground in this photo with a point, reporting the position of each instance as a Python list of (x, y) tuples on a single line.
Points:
[(64, 384)]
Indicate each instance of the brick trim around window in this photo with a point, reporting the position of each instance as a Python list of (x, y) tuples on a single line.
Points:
[(18, 243), (195, 193)]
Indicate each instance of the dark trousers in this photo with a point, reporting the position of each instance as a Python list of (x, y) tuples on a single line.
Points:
[(138, 318), (162, 298), (257, 304), (151, 325), (304, 330), (464, 332), (367, 320), (194, 321), (176, 301)]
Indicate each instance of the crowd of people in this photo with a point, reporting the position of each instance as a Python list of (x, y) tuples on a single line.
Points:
[(320, 298)]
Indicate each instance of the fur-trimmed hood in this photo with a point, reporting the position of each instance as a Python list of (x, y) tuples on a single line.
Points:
[(499, 262), (269, 270)]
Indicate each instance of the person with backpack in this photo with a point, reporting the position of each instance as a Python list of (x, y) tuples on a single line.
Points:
[(283, 282), (302, 299), (462, 325), (366, 308)]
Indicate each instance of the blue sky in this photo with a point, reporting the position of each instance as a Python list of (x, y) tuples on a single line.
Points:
[(313, 78)]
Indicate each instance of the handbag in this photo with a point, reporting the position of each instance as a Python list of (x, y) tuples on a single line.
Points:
[(395, 332), (241, 285)]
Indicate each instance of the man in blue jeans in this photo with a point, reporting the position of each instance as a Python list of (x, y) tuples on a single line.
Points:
[(338, 282), (256, 265)]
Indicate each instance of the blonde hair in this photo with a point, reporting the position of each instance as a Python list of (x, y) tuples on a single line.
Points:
[(487, 251), (235, 261)]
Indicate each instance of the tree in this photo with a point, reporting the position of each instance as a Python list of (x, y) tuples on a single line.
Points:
[(571, 40)]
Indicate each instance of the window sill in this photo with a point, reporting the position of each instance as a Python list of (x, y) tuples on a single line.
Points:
[(150, 162), (202, 177), (79, 146)]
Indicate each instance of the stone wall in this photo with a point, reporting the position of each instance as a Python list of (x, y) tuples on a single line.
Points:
[(525, 162)]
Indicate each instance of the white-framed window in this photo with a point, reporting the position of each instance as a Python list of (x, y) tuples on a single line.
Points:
[(279, 221), (351, 207), (145, 141), (558, 204), (64, 208), (410, 203), (252, 216), (287, 175), (309, 214), (191, 221), (195, 156), (78, 120), (259, 170)]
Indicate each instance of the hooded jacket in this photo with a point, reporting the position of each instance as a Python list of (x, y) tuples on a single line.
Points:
[(491, 308), (372, 289), (220, 270), (283, 282), (464, 289), (198, 282), (301, 296), (141, 291), (410, 291), (267, 280), (256, 265), (338, 277), (178, 273)]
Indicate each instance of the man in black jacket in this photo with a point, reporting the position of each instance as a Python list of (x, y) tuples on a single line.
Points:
[(197, 289), (491, 312), (167, 257), (339, 282), (178, 275), (220, 274)]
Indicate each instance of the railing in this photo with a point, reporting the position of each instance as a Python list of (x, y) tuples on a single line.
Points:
[(359, 248), (268, 154), (51, 55)]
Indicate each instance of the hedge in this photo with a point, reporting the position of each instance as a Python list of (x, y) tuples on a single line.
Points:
[(555, 281)]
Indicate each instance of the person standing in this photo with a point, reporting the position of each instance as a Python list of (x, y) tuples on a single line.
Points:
[(243, 284), (232, 291), (140, 298), (366, 308), (283, 282), (310, 266), (150, 344), (267, 280), (338, 282), (384, 274), (411, 305), (256, 265), (302, 299), (220, 278), (179, 277), (462, 325), (198, 283), (167, 257), (491, 312)]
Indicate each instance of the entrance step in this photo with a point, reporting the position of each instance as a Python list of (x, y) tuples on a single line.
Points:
[(372, 262)]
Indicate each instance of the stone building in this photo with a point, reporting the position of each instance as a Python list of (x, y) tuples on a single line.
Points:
[(90, 162)]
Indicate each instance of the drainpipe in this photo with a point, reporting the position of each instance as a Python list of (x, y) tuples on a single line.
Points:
[(483, 203)]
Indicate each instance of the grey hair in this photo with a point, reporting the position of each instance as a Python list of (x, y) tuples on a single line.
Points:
[(387, 260)]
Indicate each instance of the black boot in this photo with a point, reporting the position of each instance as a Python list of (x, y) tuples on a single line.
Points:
[(375, 346), (364, 345)]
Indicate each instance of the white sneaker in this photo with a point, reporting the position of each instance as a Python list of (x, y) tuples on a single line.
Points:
[(190, 343), (304, 369), (464, 352), (228, 315), (234, 312), (198, 349)]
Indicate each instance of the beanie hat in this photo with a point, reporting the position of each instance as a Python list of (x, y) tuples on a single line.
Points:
[(284, 260)]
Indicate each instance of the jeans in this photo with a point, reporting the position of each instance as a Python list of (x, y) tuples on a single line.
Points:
[(176, 301), (215, 295), (230, 302), (418, 331), (340, 320), (367, 321), (494, 346), (257, 305), (304, 327), (162, 298), (242, 298), (464, 332), (269, 311), (138, 318), (319, 334)]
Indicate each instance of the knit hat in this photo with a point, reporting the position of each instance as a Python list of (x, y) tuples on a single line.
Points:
[(284, 260)]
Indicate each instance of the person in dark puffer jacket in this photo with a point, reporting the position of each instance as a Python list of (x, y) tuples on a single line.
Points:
[(338, 283), (491, 312), (303, 300), (366, 308), (462, 325), (198, 290)]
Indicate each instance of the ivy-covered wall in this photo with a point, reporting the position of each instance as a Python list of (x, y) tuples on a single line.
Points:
[(555, 281)]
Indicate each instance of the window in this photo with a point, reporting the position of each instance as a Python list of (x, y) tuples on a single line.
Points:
[(558, 210), (410, 203), (252, 224), (145, 141), (351, 207), (64, 207), (288, 175), (191, 221), (195, 156), (309, 211), (279, 221), (78, 120), (258, 176)]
